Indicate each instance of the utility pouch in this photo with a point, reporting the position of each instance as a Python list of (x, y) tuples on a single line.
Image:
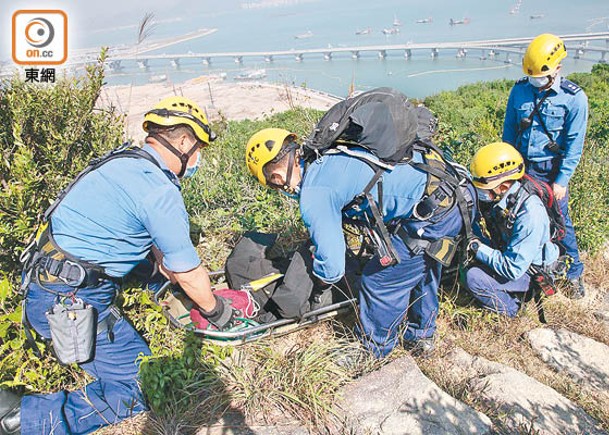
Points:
[(73, 331), (442, 250)]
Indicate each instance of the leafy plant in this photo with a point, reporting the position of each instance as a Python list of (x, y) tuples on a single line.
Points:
[(47, 135)]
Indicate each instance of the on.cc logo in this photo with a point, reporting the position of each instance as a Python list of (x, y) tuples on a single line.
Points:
[(40, 37), (39, 32)]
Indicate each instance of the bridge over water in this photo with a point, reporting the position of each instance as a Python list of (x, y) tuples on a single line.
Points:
[(578, 44)]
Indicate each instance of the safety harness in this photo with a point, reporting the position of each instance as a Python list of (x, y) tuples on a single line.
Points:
[(446, 188), (383, 128), (526, 123), (44, 262), (500, 227)]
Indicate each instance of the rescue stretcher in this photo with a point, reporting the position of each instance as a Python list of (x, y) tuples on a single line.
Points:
[(176, 308)]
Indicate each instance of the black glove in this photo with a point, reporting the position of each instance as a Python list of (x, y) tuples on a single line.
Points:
[(320, 289), (222, 316)]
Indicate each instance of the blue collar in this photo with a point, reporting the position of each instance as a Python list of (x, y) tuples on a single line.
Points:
[(172, 177), (502, 204), (556, 85)]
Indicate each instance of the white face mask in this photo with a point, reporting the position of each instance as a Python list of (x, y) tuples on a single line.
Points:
[(485, 195), (539, 82), (191, 170)]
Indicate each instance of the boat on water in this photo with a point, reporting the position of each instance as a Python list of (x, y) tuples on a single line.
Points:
[(304, 35), (454, 22), (396, 21), (427, 20), (365, 31), (254, 74), (391, 31), (159, 78), (536, 16), (516, 8)]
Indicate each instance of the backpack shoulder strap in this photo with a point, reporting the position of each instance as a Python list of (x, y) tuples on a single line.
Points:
[(515, 201), (124, 151)]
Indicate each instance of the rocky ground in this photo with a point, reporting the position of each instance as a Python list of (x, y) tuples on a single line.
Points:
[(399, 398)]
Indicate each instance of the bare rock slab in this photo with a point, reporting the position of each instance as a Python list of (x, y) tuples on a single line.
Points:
[(583, 359), (528, 405), (400, 399)]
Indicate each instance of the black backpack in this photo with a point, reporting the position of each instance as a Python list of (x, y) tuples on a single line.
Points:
[(387, 124), (383, 121)]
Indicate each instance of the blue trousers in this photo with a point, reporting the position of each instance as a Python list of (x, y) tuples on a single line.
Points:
[(112, 397), (547, 171), (496, 293), (400, 300)]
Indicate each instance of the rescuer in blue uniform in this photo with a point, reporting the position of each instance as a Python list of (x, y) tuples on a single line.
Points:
[(545, 119), (403, 295), (104, 226), (500, 278)]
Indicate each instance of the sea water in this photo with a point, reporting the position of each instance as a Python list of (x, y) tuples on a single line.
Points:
[(269, 25)]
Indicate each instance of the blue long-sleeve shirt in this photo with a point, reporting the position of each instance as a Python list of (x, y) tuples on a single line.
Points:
[(565, 114), (114, 214), (331, 183), (529, 242)]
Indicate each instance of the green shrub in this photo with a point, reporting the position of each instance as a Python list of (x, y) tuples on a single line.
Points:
[(47, 135)]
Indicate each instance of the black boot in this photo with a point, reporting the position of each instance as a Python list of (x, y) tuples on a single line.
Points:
[(10, 413)]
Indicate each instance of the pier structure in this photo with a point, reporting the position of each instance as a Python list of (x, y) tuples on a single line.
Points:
[(580, 44)]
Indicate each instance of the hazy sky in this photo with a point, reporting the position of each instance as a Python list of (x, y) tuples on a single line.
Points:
[(107, 22), (89, 17)]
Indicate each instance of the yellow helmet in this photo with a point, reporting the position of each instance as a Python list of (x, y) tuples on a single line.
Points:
[(263, 147), (543, 55), (495, 163), (179, 110)]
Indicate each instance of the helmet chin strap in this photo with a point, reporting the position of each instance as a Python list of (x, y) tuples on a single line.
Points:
[(184, 157), (288, 181)]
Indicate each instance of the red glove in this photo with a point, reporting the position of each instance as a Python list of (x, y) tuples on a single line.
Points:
[(240, 300)]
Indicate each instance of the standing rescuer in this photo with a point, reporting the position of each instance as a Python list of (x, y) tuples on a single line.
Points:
[(546, 119), (101, 226)]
